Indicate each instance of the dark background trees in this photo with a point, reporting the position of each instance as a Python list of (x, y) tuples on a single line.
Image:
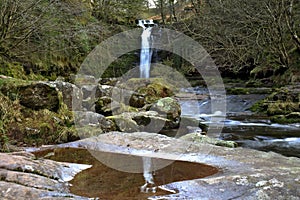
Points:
[(258, 38), (246, 38)]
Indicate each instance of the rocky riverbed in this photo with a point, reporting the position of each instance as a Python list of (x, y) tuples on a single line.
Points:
[(105, 123), (243, 173)]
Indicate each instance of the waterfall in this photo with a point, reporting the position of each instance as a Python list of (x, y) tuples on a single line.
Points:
[(146, 53)]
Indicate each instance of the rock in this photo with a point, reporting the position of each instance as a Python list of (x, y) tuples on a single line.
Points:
[(88, 104), (137, 100), (281, 102), (88, 91), (197, 137), (24, 177), (108, 81), (168, 108), (104, 106), (243, 173), (72, 95), (155, 91), (192, 129), (186, 122), (151, 89), (108, 107), (82, 79), (39, 96), (293, 117), (87, 118), (90, 123), (103, 90), (146, 121), (124, 124)]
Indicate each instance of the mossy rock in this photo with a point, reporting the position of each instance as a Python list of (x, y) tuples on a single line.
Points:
[(108, 107), (196, 137), (124, 124), (150, 89), (39, 96), (27, 127), (290, 118), (282, 108), (168, 108), (281, 102), (144, 121)]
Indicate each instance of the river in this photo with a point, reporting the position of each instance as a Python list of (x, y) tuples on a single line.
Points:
[(248, 129)]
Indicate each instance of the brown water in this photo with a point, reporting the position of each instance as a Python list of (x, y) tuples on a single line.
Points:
[(107, 183)]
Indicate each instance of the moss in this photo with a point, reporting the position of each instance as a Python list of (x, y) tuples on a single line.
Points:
[(237, 91), (283, 119), (14, 70), (124, 124), (23, 126), (281, 102), (195, 137)]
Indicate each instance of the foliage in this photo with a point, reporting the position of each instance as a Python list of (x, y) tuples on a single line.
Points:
[(6, 114), (118, 11), (19, 125), (47, 37), (244, 35)]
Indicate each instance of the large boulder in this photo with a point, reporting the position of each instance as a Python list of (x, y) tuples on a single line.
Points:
[(107, 106), (72, 95), (243, 173), (148, 121), (39, 96), (90, 124), (168, 108), (146, 91)]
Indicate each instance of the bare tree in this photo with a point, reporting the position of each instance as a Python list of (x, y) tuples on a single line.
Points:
[(243, 35)]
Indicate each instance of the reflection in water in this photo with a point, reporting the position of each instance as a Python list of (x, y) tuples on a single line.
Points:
[(148, 176), (107, 183)]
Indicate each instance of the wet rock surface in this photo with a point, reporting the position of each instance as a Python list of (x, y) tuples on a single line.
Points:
[(24, 177), (244, 173)]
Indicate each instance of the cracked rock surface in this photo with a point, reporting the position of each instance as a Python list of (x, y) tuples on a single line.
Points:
[(24, 177)]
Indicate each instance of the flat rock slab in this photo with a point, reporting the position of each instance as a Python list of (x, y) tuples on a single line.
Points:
[(244, 173), (24, 177)]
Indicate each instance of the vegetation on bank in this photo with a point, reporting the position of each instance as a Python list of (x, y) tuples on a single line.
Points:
[(282, 105), (24, 126), (250, 40)]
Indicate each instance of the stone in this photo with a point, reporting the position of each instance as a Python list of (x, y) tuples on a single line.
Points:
[(24, 177), (103, 90), (108, 107), (104, 106), (168, 108), (243, 173), (39, 96), (90, 124), (87, 118), (72, 95), (147, 121), (197, 137), (88, 91), (151, 89), (108, 81), (124, 124)]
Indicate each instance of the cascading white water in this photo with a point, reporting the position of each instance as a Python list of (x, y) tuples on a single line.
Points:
[(146, 53)]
